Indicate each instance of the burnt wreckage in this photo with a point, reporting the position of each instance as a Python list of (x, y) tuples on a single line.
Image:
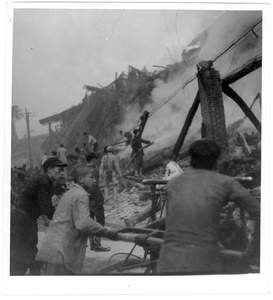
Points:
[(102, 109)]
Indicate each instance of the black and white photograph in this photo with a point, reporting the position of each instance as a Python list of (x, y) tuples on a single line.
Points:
[(134, 143)]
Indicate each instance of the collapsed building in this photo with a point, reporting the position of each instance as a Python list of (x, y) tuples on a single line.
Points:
[(100, 111), (103, 110)]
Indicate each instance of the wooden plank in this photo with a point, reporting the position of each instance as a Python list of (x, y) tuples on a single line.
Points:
[(250, 66), (248, 112), (186, 126)]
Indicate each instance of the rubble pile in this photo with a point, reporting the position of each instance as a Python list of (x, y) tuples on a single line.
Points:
[(133, 196), (129, 203)]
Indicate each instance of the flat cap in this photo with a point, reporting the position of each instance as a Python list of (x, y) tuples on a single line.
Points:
[(53, 162)]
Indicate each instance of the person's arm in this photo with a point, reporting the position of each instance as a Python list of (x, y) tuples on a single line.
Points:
[(92, 140), (166, 172), (46, 220), (245, 200), (81, 216), (145, 142)]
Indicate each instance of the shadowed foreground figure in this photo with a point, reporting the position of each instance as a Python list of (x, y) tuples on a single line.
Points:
[(195, 201), (34, 201)]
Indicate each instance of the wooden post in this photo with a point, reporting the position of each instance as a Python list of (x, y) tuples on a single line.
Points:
[(186, 126), (234, 96), (28, 137)]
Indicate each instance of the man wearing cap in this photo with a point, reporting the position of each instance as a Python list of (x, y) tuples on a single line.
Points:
[(62, 154), (35, 201), (110, 172), (195, 201)]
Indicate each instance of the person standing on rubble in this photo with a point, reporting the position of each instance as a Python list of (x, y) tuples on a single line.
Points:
[(96, 202), (138, 152), (35, 201), (110, 172), (90, 144), (195, 201), (62, 154)]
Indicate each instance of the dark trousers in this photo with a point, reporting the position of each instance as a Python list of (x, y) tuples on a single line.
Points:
[(97, 214), (23, 244)]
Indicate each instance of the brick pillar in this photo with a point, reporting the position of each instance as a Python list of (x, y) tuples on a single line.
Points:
[(212, 108)]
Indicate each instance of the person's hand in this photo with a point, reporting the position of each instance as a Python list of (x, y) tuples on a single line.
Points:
[(111, 234), (46, 221)]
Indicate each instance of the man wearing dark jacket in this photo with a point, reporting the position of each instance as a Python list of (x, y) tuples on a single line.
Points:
[(35, 201)]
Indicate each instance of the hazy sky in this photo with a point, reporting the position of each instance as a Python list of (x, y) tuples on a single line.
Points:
[(57, 51)]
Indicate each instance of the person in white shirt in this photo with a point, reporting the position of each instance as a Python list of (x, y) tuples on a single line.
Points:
[(91, 144), (172, 168)]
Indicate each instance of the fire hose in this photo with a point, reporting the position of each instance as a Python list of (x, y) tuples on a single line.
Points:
[(142, 239)]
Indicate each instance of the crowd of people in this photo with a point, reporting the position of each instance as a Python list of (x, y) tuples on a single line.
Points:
[(75, 214)]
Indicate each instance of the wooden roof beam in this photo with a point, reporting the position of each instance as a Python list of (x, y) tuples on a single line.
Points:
[(250, 66), (248, 112)]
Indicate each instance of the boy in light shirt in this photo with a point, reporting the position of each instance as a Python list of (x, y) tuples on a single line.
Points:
[(172, 168)]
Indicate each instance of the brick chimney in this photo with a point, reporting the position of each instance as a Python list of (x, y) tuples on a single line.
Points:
[(212, 107)]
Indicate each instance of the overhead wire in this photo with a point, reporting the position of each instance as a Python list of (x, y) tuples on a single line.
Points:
[(169, 34), (244, 84), (228, 48), (238, 39), (117, 21), (176, 30)]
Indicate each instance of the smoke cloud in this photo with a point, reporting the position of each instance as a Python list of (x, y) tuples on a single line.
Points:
[(164, 126)]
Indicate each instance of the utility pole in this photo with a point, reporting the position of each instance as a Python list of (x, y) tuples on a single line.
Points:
[(28, 137)]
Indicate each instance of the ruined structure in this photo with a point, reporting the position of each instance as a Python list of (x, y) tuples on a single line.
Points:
[(103, 109), (100, 111)]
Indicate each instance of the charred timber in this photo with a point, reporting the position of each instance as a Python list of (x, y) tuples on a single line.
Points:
[(248, 112), (186, 126), (252, 65)]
